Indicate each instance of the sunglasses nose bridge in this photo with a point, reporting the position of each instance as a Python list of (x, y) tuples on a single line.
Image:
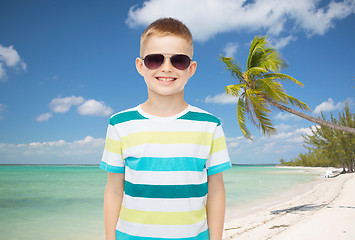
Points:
[(166, 65)]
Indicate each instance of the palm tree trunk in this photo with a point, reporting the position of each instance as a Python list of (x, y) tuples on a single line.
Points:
[(310, 118)]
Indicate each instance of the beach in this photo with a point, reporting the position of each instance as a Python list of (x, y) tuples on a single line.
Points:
[(321, 209), (263, 202)]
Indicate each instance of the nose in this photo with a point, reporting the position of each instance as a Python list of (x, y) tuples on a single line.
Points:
[(166, 66)]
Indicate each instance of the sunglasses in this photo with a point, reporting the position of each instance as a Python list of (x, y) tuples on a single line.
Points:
[(179, 61)]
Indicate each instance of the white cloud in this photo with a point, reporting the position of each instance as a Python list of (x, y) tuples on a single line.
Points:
[(87, 150), (282, 127), (283, 116), (44, 117), (2, 110), (89, 107), (93, 107), (234, 142), (221, 98), (62, 105), (24, 66), (230, 49), (286, 143), (208, 18), (330, 105), (9, 57), (3, 76), (279, 43)]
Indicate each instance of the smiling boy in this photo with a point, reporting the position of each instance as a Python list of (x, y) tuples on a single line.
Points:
[(165, 158)]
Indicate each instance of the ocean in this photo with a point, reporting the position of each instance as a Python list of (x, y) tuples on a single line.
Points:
[(66, 202)]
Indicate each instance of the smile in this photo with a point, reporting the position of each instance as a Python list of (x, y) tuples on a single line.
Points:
[(166, 79)]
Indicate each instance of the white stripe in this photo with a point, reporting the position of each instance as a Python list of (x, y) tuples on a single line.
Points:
[(112, 133), (166, 177), (162, 231), (164, 205), (112, 159), (168, 150), (217, 158), (135, 126), (218, 132), (196, 109)]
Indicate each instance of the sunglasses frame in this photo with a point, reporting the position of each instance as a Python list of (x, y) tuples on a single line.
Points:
[(170, 58)]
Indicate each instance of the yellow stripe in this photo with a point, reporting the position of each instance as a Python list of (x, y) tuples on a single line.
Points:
[(113, 146), (218, 144), (162, 218), (134, 139)]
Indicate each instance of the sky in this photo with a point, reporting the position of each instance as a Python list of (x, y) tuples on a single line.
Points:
[(67, 66)]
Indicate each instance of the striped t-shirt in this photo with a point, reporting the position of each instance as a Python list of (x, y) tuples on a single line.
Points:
[(166, 161)]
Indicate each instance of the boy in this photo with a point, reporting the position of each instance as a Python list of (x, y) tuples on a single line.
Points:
[(164, 155)]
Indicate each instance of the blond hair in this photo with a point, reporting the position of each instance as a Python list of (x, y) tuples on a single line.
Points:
[(166, 27)]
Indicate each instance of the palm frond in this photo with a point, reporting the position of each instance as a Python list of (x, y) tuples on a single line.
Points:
[(255, 51), (264, 56), (271, 88), (232, 66), (249, 109), (272, 60), (235, 89), (256, 71), (295, 102), (261, 111), (241, 118), (260, 90), (283, 77)]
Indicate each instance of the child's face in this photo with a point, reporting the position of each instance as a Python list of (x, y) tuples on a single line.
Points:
[(166, 80)]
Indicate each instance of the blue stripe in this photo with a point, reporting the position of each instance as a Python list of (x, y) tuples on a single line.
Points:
[(110, 168), (166, 164), (124, 236), (218, 168), (165, 191)]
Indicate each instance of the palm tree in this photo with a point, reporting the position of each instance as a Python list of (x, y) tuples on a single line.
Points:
[(259, 89)]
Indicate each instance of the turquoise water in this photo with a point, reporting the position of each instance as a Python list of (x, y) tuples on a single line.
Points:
[(66, 202), (245, 184)]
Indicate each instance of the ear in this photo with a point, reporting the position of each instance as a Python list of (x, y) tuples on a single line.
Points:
[(139, 66), (192, 69)]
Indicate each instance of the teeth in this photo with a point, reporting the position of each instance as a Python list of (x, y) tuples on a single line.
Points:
[(166, 79)]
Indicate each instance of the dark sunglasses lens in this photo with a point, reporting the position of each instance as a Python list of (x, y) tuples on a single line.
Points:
[(153, 61), (180, 61)]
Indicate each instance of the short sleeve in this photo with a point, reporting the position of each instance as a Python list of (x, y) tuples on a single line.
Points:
[(112, 160), (218, 160)]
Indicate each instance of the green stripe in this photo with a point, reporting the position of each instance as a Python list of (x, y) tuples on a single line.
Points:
[(125, 117), (203, 117), (166, 164), (165, 191)]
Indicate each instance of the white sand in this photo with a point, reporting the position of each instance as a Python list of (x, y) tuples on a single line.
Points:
[(323, 210)]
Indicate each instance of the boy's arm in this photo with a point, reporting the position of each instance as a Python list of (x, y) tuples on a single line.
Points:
[(112, 203), (216, 206)]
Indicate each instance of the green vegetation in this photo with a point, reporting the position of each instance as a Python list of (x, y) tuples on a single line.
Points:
[(328, 147), (259, 89)]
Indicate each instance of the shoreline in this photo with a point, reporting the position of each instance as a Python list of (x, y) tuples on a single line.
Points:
[(257, 205), (279, 215)]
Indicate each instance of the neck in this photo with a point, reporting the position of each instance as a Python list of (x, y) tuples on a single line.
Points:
[(164, 106)]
